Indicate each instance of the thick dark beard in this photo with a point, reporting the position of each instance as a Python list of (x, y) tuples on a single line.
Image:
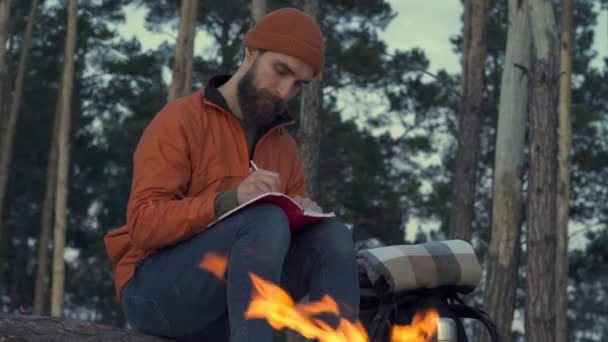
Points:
[(259, 107)]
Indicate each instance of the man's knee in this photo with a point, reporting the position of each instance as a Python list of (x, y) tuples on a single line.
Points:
[(337, 240), (267, 214), (343, 237), (268, 228)]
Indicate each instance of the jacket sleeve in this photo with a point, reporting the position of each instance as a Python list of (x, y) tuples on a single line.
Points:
[(159, 212)]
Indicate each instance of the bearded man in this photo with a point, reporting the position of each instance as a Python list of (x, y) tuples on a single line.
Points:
[(192, 165)]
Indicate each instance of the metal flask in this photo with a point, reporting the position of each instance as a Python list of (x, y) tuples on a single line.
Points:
[(446, 330)]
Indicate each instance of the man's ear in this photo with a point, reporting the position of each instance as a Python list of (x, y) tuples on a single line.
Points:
[(250, 54)]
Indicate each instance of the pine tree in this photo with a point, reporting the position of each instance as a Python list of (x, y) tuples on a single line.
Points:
[(64, 112), (542, 189), (504, 249)]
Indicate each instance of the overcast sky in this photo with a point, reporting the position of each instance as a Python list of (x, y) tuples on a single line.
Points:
[(430, 23), (427, 24)]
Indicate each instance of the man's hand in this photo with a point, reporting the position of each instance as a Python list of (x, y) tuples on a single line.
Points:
[(258, 183), (307, 203)]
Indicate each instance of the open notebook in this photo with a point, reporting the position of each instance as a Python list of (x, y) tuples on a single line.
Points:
[(298, 216)]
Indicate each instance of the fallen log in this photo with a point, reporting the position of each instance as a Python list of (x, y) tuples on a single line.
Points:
[(29, 328)]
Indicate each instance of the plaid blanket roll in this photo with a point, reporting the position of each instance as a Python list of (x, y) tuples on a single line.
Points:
[(394, 269)]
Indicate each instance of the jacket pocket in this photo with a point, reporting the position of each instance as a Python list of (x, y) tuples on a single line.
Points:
[(144, 316)]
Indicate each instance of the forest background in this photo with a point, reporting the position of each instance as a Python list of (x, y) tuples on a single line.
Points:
[(389, 124)]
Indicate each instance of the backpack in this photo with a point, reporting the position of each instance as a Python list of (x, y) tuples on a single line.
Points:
[(378, 316), (399, 281)]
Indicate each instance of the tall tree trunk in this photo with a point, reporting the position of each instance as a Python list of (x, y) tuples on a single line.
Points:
[(5, 231), (5, 11), (563, 183), (474, 56), (225, 44), (541, 235), (7, 132), (8, 135), (46, 220), (258, 9), (187, 88), (309, 132), (63, 160), (5, 14), (181, 82), (505, 244)]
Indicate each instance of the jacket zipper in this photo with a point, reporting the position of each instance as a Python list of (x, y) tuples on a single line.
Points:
[(279, 126), (244, 139)]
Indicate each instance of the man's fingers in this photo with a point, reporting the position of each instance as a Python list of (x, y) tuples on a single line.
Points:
[(272, 179), (269, 184), (258, 183), (314, 206), (265, 173), (307, 203), (262, 187)]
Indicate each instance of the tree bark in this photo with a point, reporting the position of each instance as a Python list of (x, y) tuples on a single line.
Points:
[(181, 82), (563, 184), (63, 160), (309, 133), (41, 300), (187, 87), (258, 9), (541, 235), (8, 135), (5, 12), (225, 44), (474, 56), (5, 235), (46, 329), (505, 244)]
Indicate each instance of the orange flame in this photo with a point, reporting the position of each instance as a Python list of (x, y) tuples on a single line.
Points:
[(325, 305), (214, 263), (272, 303), (276, 306), (422, 329)]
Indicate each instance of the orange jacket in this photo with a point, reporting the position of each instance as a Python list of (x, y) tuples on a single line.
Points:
[(190, 152)]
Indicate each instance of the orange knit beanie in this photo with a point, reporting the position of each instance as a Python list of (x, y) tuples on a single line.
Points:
[(291, 32)]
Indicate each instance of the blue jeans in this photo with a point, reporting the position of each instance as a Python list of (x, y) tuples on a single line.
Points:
[(170, 295)]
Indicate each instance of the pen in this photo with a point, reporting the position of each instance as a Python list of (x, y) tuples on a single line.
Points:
[(255, 167)]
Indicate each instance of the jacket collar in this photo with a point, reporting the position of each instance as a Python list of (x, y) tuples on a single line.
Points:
[(212, 95)]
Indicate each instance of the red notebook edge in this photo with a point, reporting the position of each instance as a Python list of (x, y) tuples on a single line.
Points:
[(298, 217)]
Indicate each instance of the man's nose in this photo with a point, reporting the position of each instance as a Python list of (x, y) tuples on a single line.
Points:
[(283, 91)]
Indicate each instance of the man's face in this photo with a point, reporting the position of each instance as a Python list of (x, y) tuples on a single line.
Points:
[(271, 81)]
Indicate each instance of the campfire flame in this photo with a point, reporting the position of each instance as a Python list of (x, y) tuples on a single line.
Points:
[(423, 328), (214, 263), (274, 304)]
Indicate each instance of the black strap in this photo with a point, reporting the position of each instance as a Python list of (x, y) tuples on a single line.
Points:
[(381, 316), (387, 306), (385, 309), (466, 311)]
